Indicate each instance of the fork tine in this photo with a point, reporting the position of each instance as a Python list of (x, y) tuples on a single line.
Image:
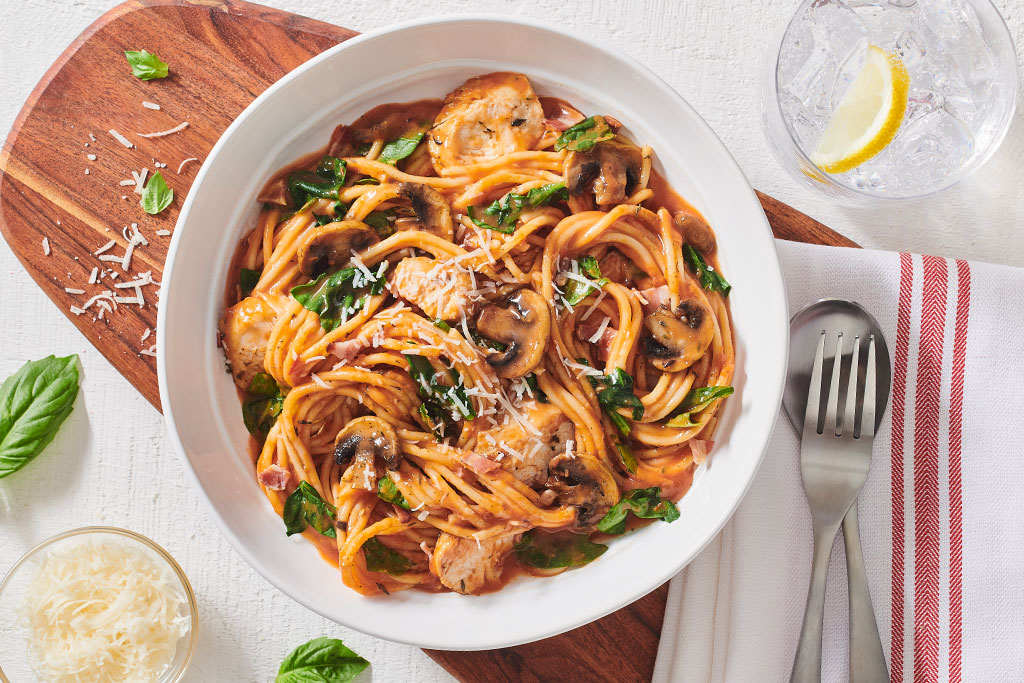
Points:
[(867, 420), (831, 423), (850, 411), (814, 389)]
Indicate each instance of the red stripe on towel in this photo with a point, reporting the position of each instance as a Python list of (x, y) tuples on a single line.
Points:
[(956, 403), (926, 470), (899, 392)]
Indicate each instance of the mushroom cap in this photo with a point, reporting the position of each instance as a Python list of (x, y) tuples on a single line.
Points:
[(431, 209), (331, 245), (677, 339), (366, 438), (523, 323), (609, 171), (695, 231), (581, 480)]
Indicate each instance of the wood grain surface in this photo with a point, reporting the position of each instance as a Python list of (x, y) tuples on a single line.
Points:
[(223, 53)]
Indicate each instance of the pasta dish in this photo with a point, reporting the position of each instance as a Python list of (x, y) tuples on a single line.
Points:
[(476, 337)]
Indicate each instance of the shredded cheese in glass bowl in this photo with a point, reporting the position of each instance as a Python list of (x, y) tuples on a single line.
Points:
[(97, 604)]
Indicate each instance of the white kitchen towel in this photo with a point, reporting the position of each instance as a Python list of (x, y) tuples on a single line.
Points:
[(941, 515)]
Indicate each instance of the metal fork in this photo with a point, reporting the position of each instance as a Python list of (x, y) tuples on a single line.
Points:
[(834, 466)]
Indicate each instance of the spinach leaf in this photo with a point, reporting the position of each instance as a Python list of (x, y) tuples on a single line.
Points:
[(324, 183), (697, 400), (156, 196), (261, 410), (645, 503), (380, 221), (247, 279), (399, 149), (442, 325), (576, 290), (546, 550), (454, 395), (709, 278), (335, 297), (617, 393), (305, 507), (503, 229), (380, 558), (547, 194), (321, 660), (145, 66), (368, 180), (584, 135), (531, 381), (629, 460), (34, 402), (388, 491)]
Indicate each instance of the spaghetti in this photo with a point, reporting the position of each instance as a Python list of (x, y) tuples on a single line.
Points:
[(476, 337)]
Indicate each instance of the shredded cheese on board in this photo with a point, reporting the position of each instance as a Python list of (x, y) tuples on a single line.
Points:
[(103, 611)]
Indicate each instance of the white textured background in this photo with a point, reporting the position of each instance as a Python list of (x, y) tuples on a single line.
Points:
[(112, 462)]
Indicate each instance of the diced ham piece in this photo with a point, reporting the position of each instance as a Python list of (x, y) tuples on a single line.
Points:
[(655, 297), (347, 349), (275, 478), (586, 332), (480, 464), (699, 448)]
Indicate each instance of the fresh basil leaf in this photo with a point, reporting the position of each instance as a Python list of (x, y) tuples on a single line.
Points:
[(629, 460), (380, 221), (709, 278), (321, 660), (546, 550), (156, 196), (505, 230), (305, 507), (145, 66), (380, 558), (645, 503), (399, 149), (547, 194), (697, 400), (247, 279), (584, 135), (34, 402), (388, 491)]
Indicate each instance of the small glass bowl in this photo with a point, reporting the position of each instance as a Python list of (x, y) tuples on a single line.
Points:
[(15, 667)]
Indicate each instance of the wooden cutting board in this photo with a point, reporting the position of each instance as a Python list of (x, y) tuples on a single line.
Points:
[(222, 54)]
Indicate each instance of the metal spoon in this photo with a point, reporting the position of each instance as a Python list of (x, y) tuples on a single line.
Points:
[(867, 659)]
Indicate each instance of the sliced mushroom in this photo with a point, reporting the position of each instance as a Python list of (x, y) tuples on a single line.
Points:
[(523, 323), (677, 339), (331, 245), (610, 171), (582, 481), (360, 443), (389, 122), (275, 192), (695, 231), (432, 211)]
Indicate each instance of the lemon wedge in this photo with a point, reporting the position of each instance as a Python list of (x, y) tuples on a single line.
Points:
[(868, 116)]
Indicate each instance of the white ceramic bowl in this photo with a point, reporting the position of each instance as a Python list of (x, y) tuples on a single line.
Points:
[(295, 116)]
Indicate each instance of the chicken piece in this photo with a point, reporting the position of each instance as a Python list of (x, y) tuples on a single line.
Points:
[(484, 118), (526, 455), (246, 327), (467, 566), (439, 289)]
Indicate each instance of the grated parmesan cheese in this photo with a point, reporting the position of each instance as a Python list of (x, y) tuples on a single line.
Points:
[(151, 105), (181, 126), (46, 246), (120, 138), (103, 611)]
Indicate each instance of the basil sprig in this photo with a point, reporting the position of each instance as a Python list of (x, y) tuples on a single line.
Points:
[(388, 491), (34, 402), (575, 290), (399, 149), (380, 558), (506, 210), (323, 183), (304, 507), (321, 660), (263, 405), (545, 550), (644, 503), (709, 278), (584, 135), (335, 297), (697, 400), (145, 66), (156, 196)]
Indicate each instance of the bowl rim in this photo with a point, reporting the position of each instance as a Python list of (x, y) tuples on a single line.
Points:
[(193, 608), (772, 271)]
